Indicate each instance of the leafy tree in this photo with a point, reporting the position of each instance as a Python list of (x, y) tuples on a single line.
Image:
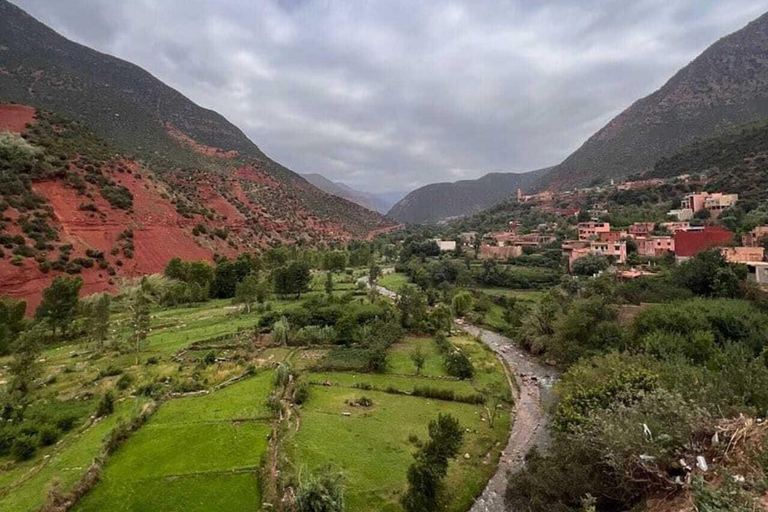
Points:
[(373, 273), (291, 279), (590, 265), (59, 305), (377, 358), (335, 261), (228, 274), (419, 358), (412, 304), (710, 274), (426, 474), (247, 291), (11, 322), (441, 319), (462, 303), (281, 331), (328, 283), (25, 366)]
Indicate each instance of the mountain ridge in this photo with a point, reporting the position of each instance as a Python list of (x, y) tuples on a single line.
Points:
[(365, 199)]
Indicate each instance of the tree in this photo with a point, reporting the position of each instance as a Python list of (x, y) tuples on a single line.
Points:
[(462, 303), (228, 274), (412, 304), (710, 274), (335, 261), (281, 331), (419, 358), (59, 305), (293, 278), (11, 322), (247, 291), (373, 273), (590, 265), (140, 309), (99, 319), (25, 366), (328, 283), (321, 492), (426, 474)]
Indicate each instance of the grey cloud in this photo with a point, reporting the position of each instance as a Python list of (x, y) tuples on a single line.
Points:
[(385, 95)]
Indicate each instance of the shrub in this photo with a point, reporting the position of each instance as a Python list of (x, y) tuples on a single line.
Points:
[(321, 492), (48, 435), (458, 365), (124, 382), (23, 448), (106, 405), (302, 393)]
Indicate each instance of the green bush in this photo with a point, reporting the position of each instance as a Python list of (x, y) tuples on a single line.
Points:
[(23, 448)]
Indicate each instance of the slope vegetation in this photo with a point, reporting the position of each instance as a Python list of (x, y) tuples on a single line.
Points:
[(441, 201), (725, 86)]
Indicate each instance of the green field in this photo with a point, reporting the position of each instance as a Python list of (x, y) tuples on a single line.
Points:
[(196, 453), (394, 281), (371, 446)]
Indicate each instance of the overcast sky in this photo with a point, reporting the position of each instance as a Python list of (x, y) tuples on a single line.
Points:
[(393, 94)]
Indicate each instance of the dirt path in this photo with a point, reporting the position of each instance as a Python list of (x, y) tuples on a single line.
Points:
[(529, 419)]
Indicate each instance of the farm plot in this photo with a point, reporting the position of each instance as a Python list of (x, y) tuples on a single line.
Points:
[(373, 445), (196, 453)]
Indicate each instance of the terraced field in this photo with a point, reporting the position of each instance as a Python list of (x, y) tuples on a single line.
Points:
[(196, 453)]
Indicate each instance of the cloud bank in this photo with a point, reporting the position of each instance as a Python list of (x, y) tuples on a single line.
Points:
[(389, 95)]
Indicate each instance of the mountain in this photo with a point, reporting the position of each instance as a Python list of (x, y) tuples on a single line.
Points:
[(364, 199), (725, 86), (110, 151), (441, 201)]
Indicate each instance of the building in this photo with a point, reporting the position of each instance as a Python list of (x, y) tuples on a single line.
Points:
[(655, 246), (754, 237), (690, 243), (674, 227), (574, 250), (636, 185), (743, 254), (758, 272), (681, 214), (446, 245), (715, 203), (612, 236), (501, 238), (639, 229), (592, 230), (493, 252)]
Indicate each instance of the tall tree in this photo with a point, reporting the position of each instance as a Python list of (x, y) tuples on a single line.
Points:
[(247, 291), (11, 322), (25, 366), (140, 308), (59, 305), (292, 279), (328, 283), (99, 319)]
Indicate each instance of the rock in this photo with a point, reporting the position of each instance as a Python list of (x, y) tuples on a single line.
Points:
[(701, 463), (346, 414), (466, 456)]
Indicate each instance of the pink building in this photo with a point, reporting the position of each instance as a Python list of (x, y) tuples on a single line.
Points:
[(754, 237), (491, 252), (655, 246), (743, 254), (574, 250), (641, 229), (674, 227), (591, 230), (612, 236)]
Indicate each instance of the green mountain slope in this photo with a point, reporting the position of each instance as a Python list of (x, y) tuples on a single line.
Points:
[(725, 86)]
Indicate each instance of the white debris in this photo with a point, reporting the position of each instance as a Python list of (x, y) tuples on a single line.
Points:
[(701, 463)]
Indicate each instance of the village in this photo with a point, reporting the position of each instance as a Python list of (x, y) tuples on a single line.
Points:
[(689, 230)]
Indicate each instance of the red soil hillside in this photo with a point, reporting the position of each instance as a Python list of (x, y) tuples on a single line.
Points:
[(14, 118)]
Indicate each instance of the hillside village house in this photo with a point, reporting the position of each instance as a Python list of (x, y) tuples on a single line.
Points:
[(641, 229), (592, 230), (655, 246), (715, 203), (492, 252), (446, 245), (612, 236), (689, 243), (575, 250), (755, 237), (758, 272), (674, 227), (743, 254)]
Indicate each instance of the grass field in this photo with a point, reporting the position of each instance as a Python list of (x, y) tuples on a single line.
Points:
[(394, 281), (371, 446), (197, 453)]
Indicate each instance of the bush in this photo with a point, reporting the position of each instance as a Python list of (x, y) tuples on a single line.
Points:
[(321, 492), (48, 435), (23, 448), (458, 365), (106, 405), (124, 382)]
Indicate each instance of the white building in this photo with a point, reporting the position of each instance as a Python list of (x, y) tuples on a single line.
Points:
[(446, 245)]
